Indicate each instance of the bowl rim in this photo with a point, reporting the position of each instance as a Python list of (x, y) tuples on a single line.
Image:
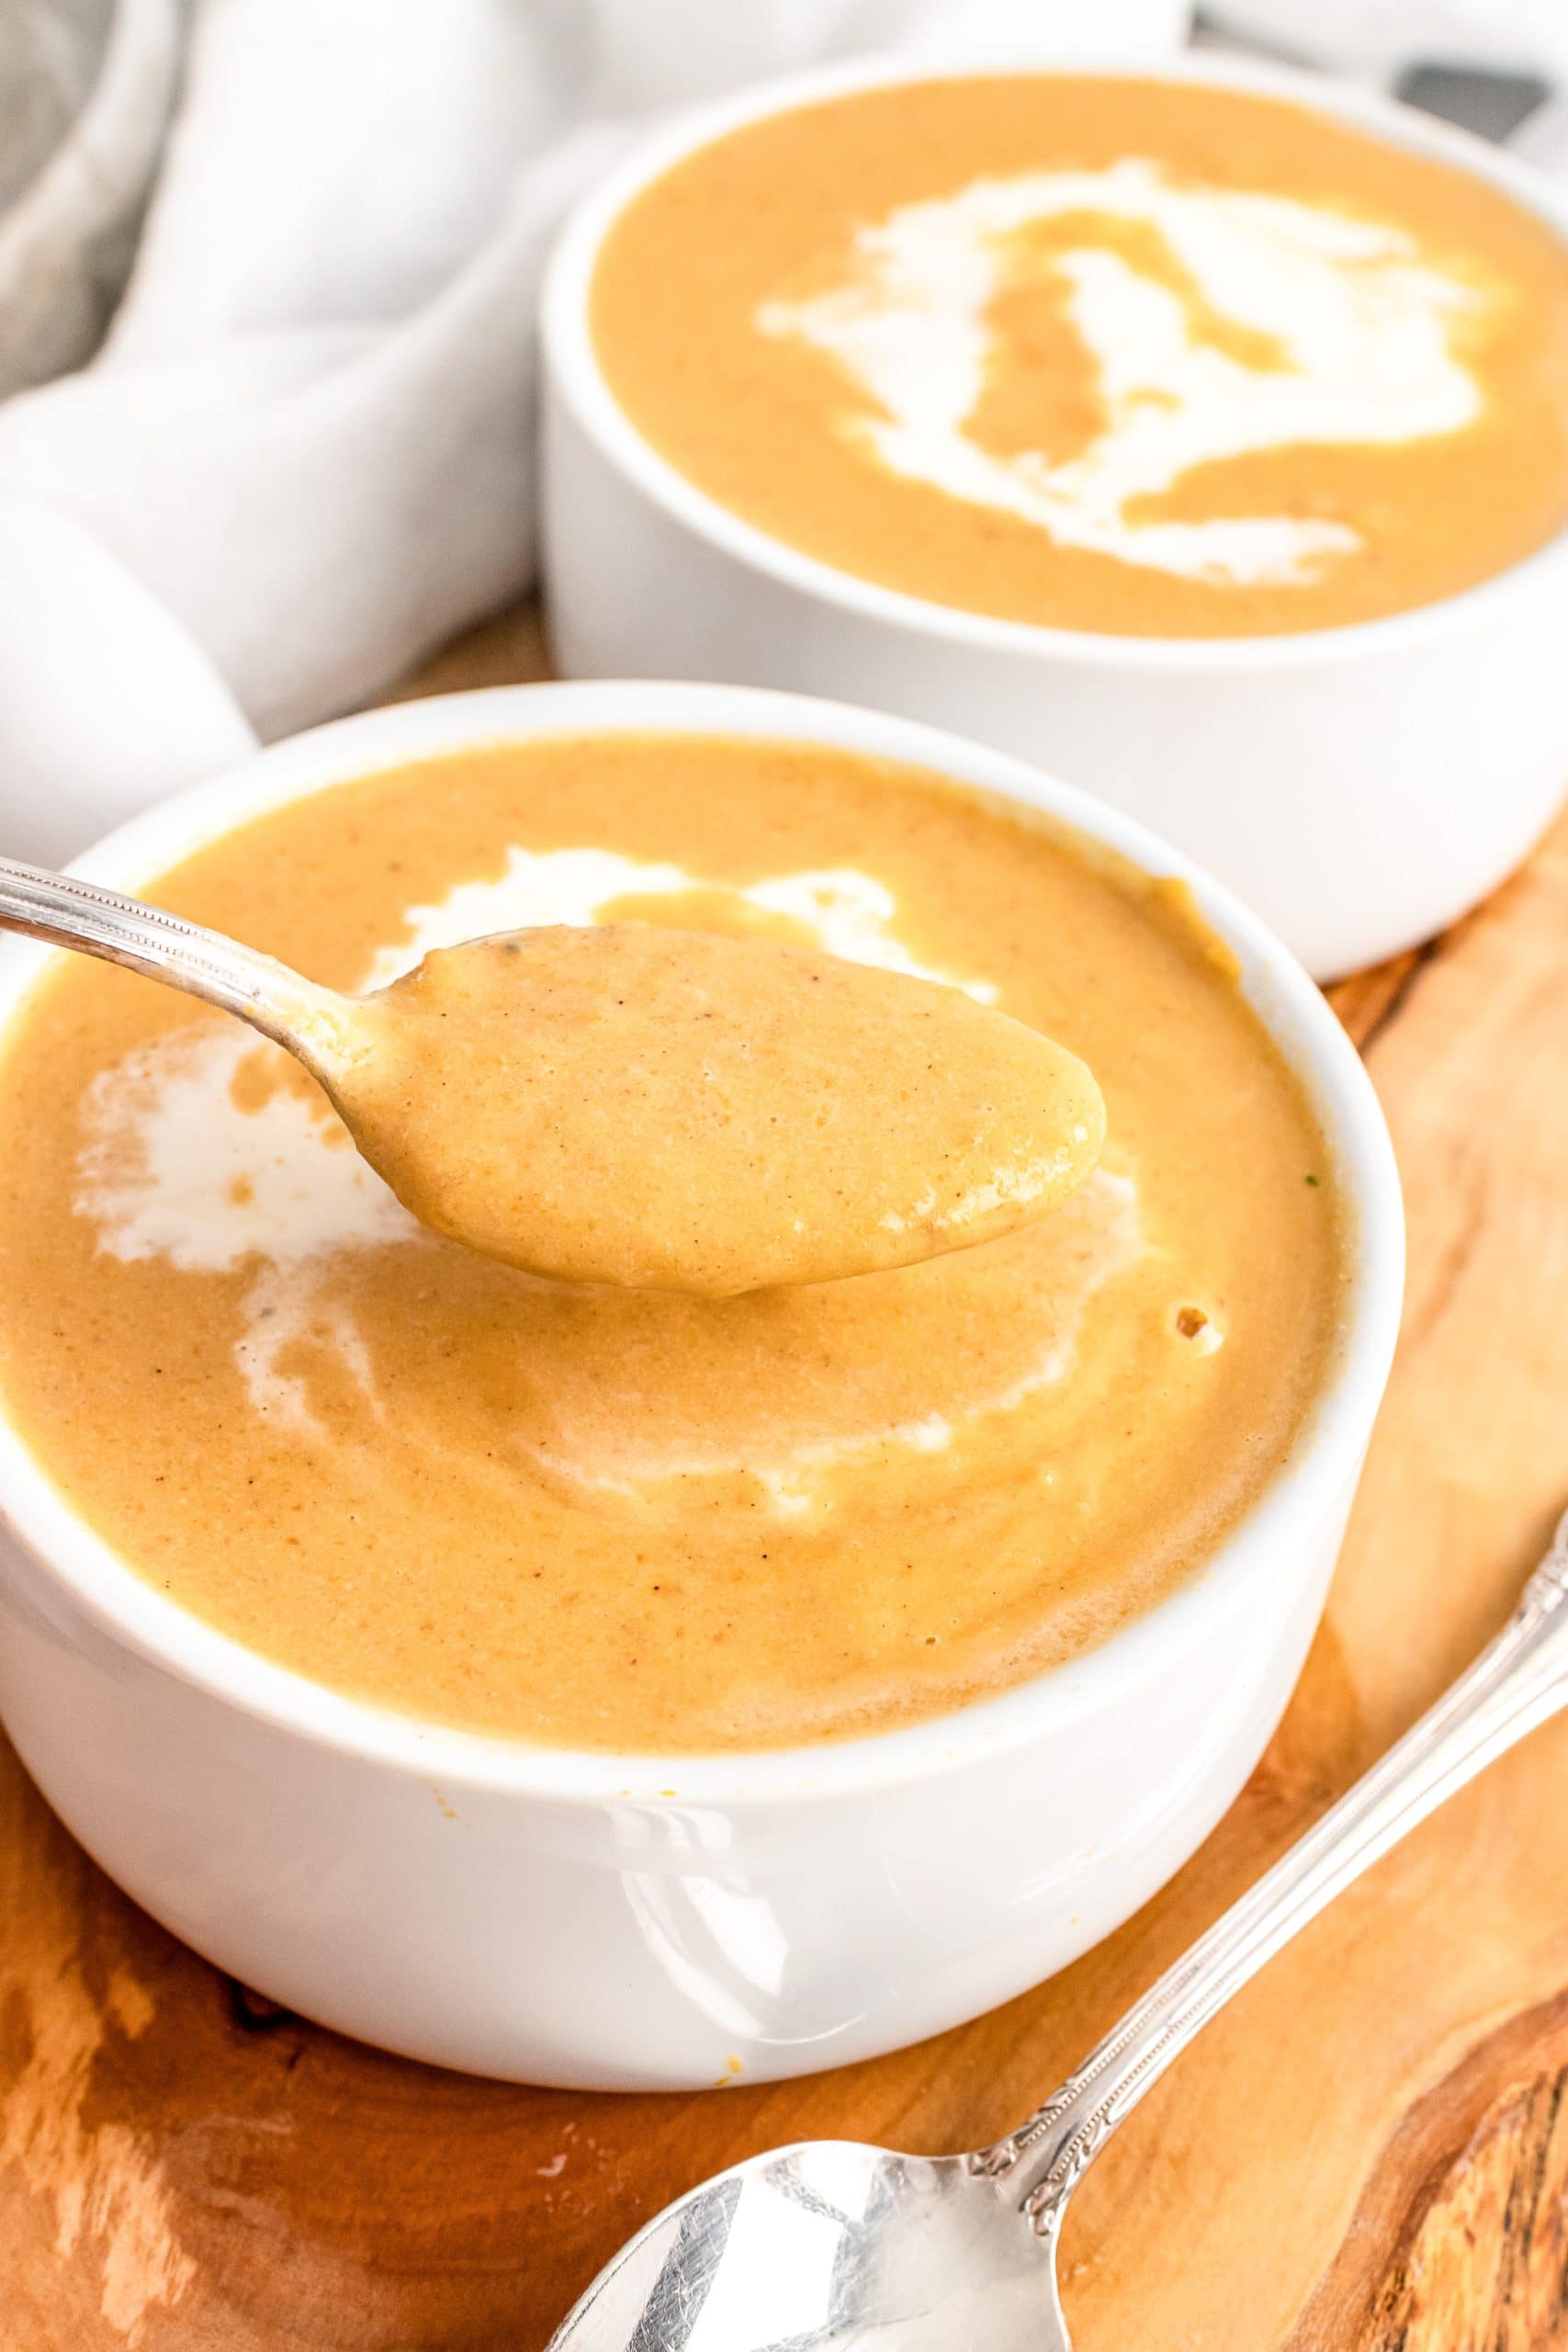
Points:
[(1303, 1494), (572, 371)]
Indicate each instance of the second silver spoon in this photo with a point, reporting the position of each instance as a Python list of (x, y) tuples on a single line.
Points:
[(833, 2246)]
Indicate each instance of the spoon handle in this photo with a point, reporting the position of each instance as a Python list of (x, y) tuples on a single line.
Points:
[(1519, 1681), (71, 913)]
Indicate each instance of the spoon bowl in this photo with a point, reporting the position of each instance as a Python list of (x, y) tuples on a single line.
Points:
[(823, 2247)]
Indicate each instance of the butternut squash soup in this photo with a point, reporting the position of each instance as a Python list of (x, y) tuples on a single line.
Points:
[(638, 1519), (1107, 354), (663, 1108)]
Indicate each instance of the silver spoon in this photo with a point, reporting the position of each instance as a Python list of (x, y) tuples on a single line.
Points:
[(828, 2244), (509, 1090), (67, 912)]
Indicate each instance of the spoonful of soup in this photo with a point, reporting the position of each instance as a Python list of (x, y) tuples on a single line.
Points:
[(659, 1109)]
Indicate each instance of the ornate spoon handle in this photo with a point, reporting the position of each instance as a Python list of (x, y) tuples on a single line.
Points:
[(1519, 1681), (68, 912)]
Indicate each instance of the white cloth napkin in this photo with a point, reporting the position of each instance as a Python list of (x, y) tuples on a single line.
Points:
[(302, 455)]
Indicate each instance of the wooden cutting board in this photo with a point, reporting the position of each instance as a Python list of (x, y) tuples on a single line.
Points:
[(1369, 2149)]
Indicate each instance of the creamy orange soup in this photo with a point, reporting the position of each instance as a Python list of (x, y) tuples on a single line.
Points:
[(1103, 354), (665, 1109), (639, 1519)]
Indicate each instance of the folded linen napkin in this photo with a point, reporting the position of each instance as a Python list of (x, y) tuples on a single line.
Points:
[(303, 454)]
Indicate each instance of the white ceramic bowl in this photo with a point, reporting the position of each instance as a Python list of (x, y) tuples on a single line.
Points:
[(1359, 786), (631, 1921)]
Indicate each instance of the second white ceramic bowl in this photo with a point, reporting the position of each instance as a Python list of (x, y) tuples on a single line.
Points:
[(1359, 786), (630, 1922)]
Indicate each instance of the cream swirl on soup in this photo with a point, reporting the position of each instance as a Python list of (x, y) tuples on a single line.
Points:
[(1249, 322), (1146, 358)]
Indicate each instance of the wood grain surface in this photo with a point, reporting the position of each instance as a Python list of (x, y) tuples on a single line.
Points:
[(1367, 2153)]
